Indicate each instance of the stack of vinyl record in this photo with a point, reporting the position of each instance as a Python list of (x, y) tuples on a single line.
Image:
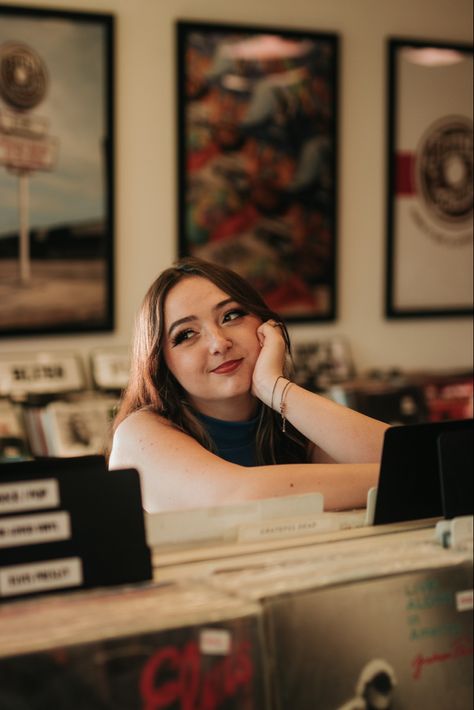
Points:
[(78, 426), (379, 622), (67, 524), (59, 414), (168, 646)]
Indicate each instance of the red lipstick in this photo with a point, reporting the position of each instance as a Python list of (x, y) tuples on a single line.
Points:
[(227, 367)]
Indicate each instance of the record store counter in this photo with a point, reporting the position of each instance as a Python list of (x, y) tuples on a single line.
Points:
[(338, 619)]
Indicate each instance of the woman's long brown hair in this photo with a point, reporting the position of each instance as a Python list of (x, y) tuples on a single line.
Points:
[(152, 386)]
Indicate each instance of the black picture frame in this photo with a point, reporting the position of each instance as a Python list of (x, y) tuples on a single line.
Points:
[(429, 179), (257, 115), (56, 171)]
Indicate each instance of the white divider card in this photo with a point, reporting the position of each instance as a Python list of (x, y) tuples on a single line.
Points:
[(215, 642), (17, 580), (371, 503), (41, 373), (301, 525), (35, 494), (110, 368), (16, 530), (456, 532), (306, 522), (225, 523), (464, 600)]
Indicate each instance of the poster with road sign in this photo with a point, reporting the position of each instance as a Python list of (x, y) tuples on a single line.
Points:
[(56, 171)]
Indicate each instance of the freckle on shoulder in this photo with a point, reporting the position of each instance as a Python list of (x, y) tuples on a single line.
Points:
[(138, 427), (139, 419)]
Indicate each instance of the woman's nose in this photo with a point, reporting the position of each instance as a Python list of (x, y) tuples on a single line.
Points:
[(218, 341)]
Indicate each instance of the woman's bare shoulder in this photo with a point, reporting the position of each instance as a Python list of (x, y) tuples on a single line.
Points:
[(136, 434), (142, 420)]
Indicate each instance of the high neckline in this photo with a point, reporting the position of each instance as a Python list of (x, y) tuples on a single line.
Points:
[(235, 441)]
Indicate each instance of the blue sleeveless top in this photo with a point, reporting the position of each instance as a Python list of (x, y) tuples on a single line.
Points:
[(235, 441)]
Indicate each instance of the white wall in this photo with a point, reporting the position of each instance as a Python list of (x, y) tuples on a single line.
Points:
[(146, 162)]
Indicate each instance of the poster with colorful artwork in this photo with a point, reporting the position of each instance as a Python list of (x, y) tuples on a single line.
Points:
[(257, 125)]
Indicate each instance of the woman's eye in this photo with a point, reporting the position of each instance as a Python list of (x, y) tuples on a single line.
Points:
[(234, 314), (182, 336)]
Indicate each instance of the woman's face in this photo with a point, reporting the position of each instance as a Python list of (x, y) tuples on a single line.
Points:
[(211, 347)]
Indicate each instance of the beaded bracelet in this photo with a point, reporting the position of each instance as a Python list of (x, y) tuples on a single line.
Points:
[(283, 405)]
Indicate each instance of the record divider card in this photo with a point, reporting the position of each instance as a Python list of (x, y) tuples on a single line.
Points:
[(68, 523)]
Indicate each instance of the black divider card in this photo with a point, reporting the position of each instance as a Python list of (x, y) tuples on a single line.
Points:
[(107, 508), (64, 567), (50, 466), (66, 523), (28, 487)]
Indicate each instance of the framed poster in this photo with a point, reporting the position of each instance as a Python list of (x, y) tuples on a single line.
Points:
[(430, 173), (257, 122), (56, 171)]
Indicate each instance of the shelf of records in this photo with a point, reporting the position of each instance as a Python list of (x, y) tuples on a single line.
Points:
[(381, 619), (409, 397), (391, 395), (107, 608), (56, 404), (33, 376), (74, 426)]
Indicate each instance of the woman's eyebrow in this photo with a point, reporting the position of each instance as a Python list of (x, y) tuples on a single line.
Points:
[(188, 319), (223, 303)]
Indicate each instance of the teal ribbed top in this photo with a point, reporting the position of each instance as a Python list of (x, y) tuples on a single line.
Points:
[(235, 441)]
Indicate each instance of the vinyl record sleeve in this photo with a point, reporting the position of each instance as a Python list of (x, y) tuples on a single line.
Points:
[(405, 639), (169, 646), (77, 428), (10, 423), (110, 368), (350, 552), (168, 669), (13, 438), (339, 562), (34, 430)]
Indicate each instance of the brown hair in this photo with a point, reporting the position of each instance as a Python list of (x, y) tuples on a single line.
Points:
[(152, 386)]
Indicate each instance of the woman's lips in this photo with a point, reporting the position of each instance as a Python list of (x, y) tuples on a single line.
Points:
[(226, 367)]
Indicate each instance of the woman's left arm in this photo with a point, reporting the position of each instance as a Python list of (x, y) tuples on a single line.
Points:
[(339, 434)]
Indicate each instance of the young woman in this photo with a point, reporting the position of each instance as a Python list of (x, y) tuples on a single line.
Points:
[(210, 415)]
